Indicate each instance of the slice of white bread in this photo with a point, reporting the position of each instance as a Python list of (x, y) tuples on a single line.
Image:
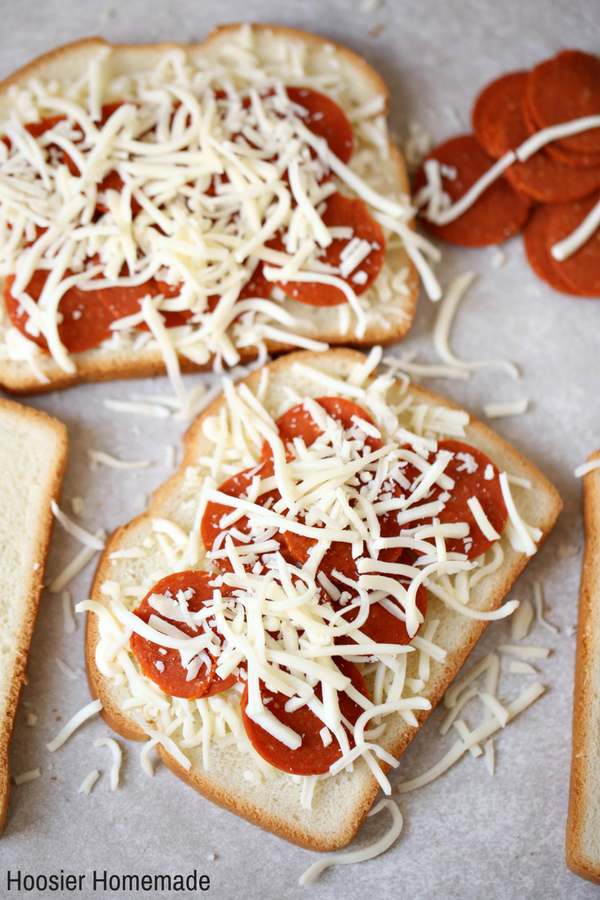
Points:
[(292, 56), (583, 824), (33, 456), (341, 802)]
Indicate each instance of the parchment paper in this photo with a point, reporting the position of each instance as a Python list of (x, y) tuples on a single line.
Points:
[(467, 834)]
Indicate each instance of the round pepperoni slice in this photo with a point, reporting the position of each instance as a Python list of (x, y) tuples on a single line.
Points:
[(320, 114), (113, 182), (37, 129), (502, 121), (537, 248), (381, 625), (298, 422), (163, 665), (499, 212), (256, 286), (312, 757), (581, 270), (121, 301), (342, 211), (504, 93), (564, 88), (474, 475), (338, 559), (541, 177), (85, 319), (211, 529), (569, 158), (324, 118), (556, 150)]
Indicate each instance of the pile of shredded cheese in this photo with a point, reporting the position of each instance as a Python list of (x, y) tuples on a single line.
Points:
[(271, 616)]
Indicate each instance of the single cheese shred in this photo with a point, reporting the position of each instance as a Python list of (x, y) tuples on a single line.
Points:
[(356, 856), (73, 724)]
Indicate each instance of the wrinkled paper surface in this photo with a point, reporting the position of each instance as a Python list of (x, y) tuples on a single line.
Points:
[(467, 834)]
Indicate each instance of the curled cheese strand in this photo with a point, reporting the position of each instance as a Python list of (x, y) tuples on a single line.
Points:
[(355, 856), (117, 759), (443, 325)]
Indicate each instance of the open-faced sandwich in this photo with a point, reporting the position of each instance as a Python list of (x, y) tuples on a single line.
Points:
[(301, 593)]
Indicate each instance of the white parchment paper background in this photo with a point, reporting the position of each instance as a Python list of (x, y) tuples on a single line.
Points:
[(467, 835)]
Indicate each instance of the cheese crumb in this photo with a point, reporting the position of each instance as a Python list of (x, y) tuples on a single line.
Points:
[(98, 457), (504, 410), (24, 777), (88, 783)]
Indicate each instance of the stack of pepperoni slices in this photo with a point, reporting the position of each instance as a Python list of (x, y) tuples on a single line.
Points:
[(551, 193)]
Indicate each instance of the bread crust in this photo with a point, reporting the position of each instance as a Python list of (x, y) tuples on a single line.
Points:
[(42, 487), (339, 361), (98, 364), (582, 841)]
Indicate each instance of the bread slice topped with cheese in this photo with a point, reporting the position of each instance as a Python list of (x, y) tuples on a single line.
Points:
[(33, 456), (583, 824), (296, 599), (166, 207)]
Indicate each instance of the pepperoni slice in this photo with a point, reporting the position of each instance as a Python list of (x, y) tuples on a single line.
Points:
[(85, 319), (468, 469), (556, 150), (320, 114), (382, 625), (326, 119), (541, 177), (581, 271), (298, 422), (121, 301), (538, 246), (238, 486), (112, 180), (497, 215), (257, 286), (37, 129), (339, 559), (504, 93), (502, 121), (342, 211), (312, 757), (569, 158), (564, 88), (163, 665)]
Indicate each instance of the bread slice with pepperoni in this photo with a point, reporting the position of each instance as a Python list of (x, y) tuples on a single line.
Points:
[(583, 845), (193, 228), (168, 538), (33, 456)]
